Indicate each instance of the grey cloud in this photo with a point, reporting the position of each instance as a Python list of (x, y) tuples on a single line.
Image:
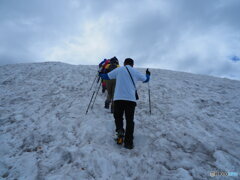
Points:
[(156, 35), (180, 35)]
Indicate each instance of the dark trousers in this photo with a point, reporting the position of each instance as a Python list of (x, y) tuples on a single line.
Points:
[(127, 107)]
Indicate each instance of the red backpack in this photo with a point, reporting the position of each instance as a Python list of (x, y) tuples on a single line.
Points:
[(104, 66)]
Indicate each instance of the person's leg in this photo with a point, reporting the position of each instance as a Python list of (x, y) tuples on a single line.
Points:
[(113, 83), (129, 115), (110, 90), (108, 100), (112, 107), (118, 114), (103, 86)]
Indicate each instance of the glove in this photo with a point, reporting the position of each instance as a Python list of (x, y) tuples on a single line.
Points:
[(148, 72)]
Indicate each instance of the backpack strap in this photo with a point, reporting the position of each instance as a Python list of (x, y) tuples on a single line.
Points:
[(131, 78)]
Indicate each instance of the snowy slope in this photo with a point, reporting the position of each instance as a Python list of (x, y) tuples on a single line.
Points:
[(44, 132)]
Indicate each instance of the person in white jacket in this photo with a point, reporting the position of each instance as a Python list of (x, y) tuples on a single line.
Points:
[(125, 98)]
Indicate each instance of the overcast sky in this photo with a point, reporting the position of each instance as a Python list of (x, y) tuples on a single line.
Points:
[(198, 36)]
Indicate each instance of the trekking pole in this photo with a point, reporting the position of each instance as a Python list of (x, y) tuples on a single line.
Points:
[(92, 96), (149, 98), (96, 95), (93, 82)]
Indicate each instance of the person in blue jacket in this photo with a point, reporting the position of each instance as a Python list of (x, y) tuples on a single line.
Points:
[(125, 97)]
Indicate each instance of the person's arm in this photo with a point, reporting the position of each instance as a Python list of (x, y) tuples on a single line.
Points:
[(104, 76), (108, 76), (147, 76), (141, 77)]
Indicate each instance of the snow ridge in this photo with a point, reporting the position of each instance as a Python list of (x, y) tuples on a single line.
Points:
[(44, 133)]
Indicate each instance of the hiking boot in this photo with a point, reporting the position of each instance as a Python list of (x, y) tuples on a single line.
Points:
[(106, 105), (103, 90), (128, 145), (120, 137)]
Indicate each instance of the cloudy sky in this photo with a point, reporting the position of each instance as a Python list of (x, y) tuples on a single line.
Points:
[(198, 36)]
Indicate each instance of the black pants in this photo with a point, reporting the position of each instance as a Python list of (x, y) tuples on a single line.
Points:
[(127, 107)]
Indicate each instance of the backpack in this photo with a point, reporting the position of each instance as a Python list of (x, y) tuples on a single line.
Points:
[(111, 67), (103, 69), (113, 64)]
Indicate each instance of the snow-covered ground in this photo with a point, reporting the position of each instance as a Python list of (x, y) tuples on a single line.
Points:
[(44, 133)]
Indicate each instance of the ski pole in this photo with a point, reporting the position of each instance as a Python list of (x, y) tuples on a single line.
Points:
[(96, 95), (92, 95), (149, 98), (93, 81)]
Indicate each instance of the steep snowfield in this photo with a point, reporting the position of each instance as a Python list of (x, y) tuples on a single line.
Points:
[(44, 133)]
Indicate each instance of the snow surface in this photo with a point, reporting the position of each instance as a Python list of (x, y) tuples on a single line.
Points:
[(44, 133)]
